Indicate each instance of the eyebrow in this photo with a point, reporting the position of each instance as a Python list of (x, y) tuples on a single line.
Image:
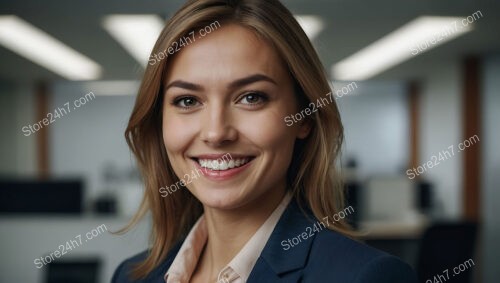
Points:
[(233, 85)]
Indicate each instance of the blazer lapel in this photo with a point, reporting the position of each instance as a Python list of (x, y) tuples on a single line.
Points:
[(157, 276), (280, 261)]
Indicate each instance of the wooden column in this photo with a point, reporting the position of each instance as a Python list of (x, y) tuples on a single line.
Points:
[(414, 111), (472, 126), (42, 136)]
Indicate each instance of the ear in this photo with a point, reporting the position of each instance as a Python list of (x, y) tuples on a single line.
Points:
[(304, 128)]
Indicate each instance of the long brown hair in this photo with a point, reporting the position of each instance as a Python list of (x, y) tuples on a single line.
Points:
[(312, 177)]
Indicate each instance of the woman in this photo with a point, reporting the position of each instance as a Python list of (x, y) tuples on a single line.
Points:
[(257, 195)]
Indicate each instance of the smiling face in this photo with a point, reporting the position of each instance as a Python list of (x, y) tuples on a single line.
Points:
[(228, 93)]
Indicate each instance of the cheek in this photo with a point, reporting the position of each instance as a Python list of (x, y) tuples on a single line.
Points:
[(177, 133), (269, 131)]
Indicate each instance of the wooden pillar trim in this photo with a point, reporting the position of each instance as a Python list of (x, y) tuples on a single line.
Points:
[(42, 136), (414, 111), (471, 127)]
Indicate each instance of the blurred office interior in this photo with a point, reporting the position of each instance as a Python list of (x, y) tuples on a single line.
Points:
[(421, 122)]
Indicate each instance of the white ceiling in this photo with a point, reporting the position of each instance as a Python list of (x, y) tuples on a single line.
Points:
[(349, 26)]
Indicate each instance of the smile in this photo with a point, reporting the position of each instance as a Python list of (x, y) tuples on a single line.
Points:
[(220, 165)]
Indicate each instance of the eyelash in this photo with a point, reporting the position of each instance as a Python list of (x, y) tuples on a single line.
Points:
[(262, 96)]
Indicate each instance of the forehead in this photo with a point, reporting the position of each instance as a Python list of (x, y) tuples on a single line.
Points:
[(230, 52)]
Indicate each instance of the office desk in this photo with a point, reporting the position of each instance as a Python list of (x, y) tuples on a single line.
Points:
[(393, 230), (399, 238)]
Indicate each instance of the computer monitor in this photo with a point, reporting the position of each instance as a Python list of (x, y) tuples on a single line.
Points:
[(73, 271), (41, 196)]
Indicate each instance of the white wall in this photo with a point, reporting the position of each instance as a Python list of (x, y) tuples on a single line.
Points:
[(375, 118), (17, 109), (440, 127), (84, 140), (490, 140)]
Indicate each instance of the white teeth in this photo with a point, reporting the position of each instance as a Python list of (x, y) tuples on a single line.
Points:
[(215, 164), (220, 165), (223, 165)]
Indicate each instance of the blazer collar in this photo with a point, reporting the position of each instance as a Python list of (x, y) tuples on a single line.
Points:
[(278, 256), (157, 276), (274, 259)]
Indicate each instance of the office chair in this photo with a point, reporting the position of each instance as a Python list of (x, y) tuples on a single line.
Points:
[(446, 246)]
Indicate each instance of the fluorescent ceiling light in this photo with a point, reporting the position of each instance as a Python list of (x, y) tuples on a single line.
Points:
[(136, 33), (312, 25), (415, 37), (36, 45)]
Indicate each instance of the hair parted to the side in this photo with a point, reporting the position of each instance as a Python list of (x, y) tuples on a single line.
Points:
[(312, 177)]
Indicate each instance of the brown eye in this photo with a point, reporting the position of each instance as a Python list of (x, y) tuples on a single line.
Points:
[(253, 98), (186, 102)]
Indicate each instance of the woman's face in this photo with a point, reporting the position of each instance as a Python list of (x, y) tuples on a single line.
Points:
[(228, 93)]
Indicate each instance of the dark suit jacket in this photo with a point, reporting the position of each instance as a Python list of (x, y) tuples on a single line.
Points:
[(325, 256)]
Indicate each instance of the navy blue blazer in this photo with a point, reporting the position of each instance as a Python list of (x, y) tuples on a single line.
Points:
[(321, 256)]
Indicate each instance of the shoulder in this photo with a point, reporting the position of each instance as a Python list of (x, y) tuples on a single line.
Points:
[(297, 250), (336, 256), (123, 272)]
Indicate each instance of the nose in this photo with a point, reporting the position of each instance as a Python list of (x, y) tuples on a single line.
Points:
[(217, 126)]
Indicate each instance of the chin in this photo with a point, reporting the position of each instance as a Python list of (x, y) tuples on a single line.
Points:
[(222, 198)]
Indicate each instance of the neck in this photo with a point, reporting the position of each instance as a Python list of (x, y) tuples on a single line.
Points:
[(230, 230)]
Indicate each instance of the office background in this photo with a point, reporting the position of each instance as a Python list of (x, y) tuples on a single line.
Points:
[(440, 93)]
